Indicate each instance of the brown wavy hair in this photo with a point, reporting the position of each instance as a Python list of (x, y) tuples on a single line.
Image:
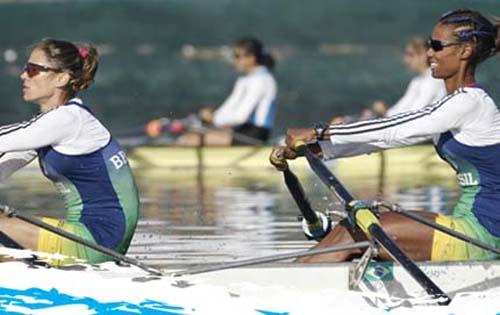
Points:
[(80, 61)]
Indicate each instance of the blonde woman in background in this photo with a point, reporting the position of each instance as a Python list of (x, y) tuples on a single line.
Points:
[(423, 89)]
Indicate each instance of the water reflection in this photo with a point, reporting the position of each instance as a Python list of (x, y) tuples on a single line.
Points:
[(189, 218), (220, 215), (436, 199)]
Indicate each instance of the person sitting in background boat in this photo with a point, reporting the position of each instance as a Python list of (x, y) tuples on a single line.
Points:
[(75, 151), (422, 90), (465, 128), (247, 115)]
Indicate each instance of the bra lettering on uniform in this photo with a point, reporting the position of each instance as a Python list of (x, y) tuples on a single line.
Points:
[(118, 159), (466, 179)]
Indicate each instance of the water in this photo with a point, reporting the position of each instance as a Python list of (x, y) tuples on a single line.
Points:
[(189, 218)]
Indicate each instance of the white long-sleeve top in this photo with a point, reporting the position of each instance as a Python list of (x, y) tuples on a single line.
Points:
[(465, 128), (85, 164), (468, 113), (251, 101), (70, 130), (422, 91), (12, 161)]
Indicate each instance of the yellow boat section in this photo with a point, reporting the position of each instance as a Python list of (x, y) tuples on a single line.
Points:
[(405, 163), (409, 160)]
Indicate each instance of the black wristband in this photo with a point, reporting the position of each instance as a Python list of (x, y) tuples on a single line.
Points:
[(320, 131)]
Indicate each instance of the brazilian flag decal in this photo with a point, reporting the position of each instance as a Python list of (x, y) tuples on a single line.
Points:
[(379, 272)]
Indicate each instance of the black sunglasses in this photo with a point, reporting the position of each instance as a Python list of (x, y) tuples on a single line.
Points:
[(33, 69), (238, 56), (438, 45)]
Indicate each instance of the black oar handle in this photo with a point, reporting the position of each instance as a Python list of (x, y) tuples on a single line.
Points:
[(298, 194), (11, 212)]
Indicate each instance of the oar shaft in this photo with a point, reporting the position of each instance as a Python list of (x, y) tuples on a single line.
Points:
[(247, 139), (273, 258), (187, 123), (7, 241), (398, 255), (10, 212), (374, 229), (236, 135), (298, 194)]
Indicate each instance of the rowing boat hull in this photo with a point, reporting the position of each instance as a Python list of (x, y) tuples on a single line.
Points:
[(276, 289), (396, 161)]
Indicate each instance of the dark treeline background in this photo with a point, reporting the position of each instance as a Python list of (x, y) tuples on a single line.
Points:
[(167, 58)]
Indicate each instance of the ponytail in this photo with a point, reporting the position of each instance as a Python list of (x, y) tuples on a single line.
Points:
[(267, 60), (80, 62), (254, 47), (89, 68)]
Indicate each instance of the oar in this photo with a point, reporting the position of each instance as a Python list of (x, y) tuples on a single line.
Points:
[(369, 223), (316, 225), (11, 212), (441, 228), (236, 135), (7, 241), (272, 258)]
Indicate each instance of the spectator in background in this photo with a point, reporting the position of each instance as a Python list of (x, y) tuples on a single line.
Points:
[(247, 115), (422, 90)]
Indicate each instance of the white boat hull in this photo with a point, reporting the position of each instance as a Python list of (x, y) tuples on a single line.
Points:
[(276, 289)]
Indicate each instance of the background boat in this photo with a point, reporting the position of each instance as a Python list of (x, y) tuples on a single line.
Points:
[(396, 161)]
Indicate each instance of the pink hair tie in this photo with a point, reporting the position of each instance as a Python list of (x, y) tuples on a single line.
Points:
[(84, 52)]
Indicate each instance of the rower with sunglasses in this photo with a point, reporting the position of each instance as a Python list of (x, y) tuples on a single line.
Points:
[(75, 151), (465, 128), (247, 116)]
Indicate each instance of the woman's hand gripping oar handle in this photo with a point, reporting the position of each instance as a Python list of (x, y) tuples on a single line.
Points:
[(314, 224)]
